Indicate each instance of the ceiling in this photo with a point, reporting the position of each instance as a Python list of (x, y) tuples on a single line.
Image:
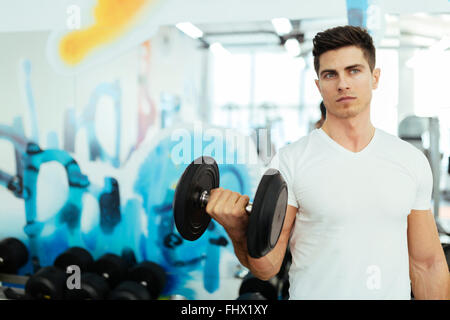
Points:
[(412, 30)]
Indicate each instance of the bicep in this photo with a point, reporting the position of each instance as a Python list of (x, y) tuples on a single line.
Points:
[(423, 239)]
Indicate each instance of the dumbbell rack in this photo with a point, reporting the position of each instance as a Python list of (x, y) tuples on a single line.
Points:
[(15, 282)]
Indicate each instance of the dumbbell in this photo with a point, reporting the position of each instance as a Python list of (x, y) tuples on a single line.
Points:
[(92, 285), (97, 278), (112, 268), (50, 282), (253, 288), (103, 276), (266, 213), (74, 256), (446, 248), (284, 292), (251, 296), (145, 281), (13, 255)]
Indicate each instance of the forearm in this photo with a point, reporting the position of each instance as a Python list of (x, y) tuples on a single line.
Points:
[(430, 282), (263, 268)]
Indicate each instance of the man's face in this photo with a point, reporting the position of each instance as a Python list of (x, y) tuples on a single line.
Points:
[(346, 82)]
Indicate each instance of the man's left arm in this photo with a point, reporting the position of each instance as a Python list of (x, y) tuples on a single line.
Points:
[(428, 267)]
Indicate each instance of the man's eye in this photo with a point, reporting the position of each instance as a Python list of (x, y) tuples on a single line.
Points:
[(354, 71), (329, 75)]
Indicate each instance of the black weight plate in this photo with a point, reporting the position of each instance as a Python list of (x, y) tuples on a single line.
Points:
[(93, 287), (112, 267), (129, 290), (48, 283), (150, 275), (268, 213), (74, 256), (251, 284), (251, 296), (13, 255), (285, 289), (191, 219), (446, 248)]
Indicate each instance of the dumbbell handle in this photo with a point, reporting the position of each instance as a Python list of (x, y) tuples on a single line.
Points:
[(204, 197)]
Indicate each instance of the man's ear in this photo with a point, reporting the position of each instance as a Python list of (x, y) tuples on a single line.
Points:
[(375, 77), (318, 85)]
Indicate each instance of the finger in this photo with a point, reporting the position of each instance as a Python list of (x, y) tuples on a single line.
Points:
[(214, 197), (231, 202), (221, 203), (240, 205)]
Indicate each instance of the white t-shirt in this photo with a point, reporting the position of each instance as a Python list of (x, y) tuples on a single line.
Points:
[(349, 239)]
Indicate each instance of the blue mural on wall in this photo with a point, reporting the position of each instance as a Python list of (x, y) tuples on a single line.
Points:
[(65, 223), (156, 183), (26, 65), (120, 226), (74, 124)]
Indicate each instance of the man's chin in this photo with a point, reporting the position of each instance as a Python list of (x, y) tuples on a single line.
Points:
[(349, 112), (346, 115)]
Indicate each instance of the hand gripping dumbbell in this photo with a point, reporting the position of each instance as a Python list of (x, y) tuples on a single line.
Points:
[(266, 213)]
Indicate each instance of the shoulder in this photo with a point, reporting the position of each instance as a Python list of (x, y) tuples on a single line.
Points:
[(289, 156), (402, 152), (296, 148), (399, 146)]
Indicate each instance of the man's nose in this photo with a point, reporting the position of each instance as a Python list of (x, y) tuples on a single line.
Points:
[(343, 83)]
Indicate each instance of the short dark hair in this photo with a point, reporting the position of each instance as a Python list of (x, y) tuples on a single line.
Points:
[(343, 36)]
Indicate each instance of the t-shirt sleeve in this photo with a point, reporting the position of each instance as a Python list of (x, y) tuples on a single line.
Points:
[(424, 189), (281, 162)]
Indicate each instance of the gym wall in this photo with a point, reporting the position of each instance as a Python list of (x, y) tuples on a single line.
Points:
[(115, 121)]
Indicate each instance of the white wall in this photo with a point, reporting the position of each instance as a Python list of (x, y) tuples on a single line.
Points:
[(175, 69), (54, 93)]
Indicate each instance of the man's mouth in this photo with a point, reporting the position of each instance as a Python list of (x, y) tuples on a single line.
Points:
[(346, 98)]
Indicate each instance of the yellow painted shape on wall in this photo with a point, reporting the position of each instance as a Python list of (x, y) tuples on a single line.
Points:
[(112, 17)]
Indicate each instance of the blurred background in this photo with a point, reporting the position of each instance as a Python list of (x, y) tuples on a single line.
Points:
[(92, 93)]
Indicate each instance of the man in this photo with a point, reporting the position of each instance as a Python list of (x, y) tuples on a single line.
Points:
[(358, 222)]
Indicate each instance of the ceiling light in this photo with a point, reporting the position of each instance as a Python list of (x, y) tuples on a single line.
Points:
[(293, 47), (282, 25), (217, 49), (189, 29)]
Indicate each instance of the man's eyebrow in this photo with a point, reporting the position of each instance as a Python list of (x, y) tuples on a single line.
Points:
[(354, 66), (346, 68)]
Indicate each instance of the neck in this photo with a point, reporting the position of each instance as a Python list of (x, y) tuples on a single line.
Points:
[(353, 134)]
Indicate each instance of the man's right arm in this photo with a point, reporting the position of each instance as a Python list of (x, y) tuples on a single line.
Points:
[(269, 265)]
